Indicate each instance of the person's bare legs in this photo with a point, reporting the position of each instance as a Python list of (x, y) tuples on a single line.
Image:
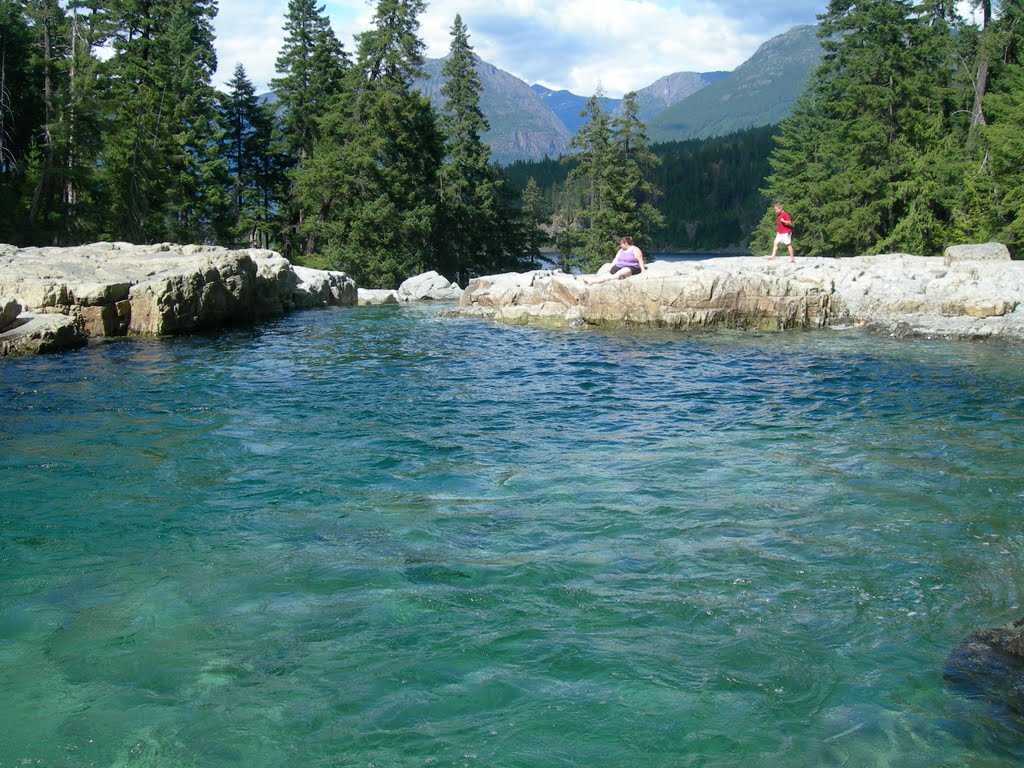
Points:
[(792, 256), (599, 278)]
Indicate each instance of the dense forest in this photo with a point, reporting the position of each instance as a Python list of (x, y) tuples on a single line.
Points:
[(707, 190), (110, 130), (907, 138)]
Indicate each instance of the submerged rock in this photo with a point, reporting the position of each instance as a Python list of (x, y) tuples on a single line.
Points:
[(896, 294), (119, 289), (989, 664)]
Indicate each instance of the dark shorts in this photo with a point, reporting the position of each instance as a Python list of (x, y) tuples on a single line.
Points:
[(633, 268)]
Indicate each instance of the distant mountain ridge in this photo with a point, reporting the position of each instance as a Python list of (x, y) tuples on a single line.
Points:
[(522, 126), (760, 91)]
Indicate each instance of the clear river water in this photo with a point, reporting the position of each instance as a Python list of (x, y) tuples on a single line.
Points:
[(378, 537)]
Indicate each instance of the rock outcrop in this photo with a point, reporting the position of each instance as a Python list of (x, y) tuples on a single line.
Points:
[(429, 286), (897, 294), (990, 663), (120, 289), (376, 296)]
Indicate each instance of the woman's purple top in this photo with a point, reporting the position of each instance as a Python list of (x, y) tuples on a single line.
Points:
[(626, 257)]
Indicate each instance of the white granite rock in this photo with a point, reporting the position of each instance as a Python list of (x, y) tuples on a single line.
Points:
[(898, 294), (33, 334), (373, 296), (112, 289), (429, 286)]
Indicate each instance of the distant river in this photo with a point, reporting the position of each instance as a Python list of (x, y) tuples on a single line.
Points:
[(373, 537)]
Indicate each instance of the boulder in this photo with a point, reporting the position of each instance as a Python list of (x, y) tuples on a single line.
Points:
[(373, 296), (429, 286), (9, 311), (990, 663), (41, 333), (976, 252), (322, 288)]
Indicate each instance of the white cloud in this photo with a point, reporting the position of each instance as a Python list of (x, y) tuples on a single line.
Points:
[(577, 45)]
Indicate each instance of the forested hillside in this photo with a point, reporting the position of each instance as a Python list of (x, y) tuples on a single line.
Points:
[(708, 189), (110, 130)]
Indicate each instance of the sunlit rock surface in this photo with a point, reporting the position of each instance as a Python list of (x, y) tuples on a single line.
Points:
[(898, 294), (121, 289)]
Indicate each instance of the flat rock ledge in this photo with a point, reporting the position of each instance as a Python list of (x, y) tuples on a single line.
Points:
[(56, 298), (953, 296)]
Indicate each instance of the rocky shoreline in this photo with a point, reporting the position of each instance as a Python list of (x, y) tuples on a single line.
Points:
[(59, 298), (971, 292)]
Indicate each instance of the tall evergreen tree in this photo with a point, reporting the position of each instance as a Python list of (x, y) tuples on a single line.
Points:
[(480, 227), (369, 190), (21, 112), (62, 167), (861, 164), (312, 65), (252, 165), (534, 217), (632, 190), (613, 169), (594, 169), (197, 202)]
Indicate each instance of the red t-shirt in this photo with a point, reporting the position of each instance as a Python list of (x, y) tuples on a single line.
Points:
[(783, 224)]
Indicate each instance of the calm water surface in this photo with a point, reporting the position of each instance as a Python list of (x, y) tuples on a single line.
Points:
[(375, 537)]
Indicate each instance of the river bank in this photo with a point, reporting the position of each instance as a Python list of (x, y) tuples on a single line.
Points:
[(971, 292), (57, 298)]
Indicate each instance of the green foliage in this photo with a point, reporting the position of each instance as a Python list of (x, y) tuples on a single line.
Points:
[(368, 192), (871, 159), (255, 169), (479, 228), (708, 191), (312, 66), (608, 192)]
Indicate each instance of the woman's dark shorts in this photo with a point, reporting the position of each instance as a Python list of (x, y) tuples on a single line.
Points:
[(633, 268)]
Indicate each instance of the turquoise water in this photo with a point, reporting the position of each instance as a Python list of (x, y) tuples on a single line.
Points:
[(375, 537)]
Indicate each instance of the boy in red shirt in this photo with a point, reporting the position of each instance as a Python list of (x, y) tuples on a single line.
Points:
[(783, 232)]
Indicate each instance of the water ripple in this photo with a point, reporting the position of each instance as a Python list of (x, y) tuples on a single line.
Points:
[(373, 536)]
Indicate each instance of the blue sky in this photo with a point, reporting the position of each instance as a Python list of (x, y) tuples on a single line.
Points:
[(578, 45)]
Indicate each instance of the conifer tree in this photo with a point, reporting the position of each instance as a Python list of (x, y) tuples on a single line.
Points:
[(480, 227), (197, 201), (253, 167), (533, 221), (369, 191), (312, 65), (632, 190), (21, 111), (62, 167), (613, 170), (594, 172)]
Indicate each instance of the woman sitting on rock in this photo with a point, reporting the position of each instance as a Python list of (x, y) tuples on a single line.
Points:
[(628, 261)]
